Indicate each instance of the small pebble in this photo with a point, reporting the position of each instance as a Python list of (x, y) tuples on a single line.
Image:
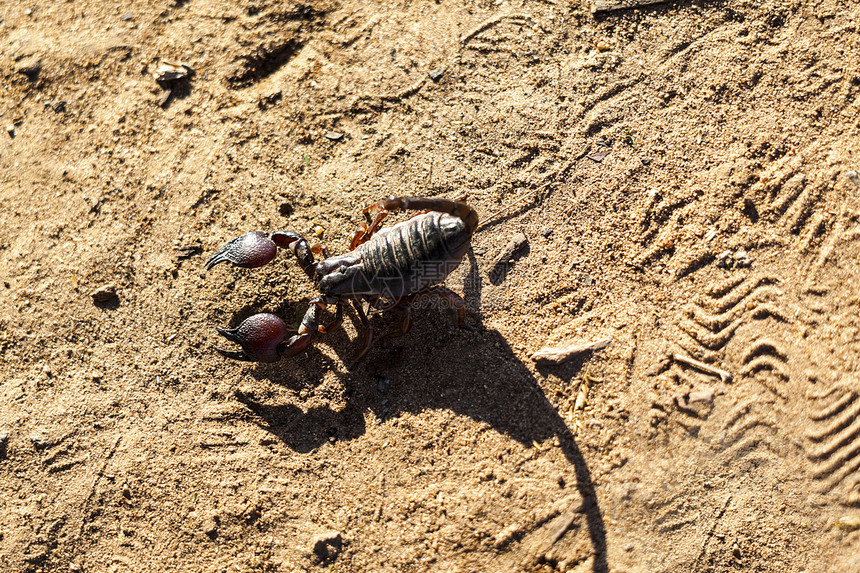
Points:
[(59, 106), (29, 67), (334, 135), (734, 260), (382, 384), (127, 16), (210, 528), (854, 177), (436, 74), (4, 441), (39, 439), (171, 71), (849, 522), (326, 546), (701, 396), (104, 293)]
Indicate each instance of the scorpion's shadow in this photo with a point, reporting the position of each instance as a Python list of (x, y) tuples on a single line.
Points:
[(471, 372)]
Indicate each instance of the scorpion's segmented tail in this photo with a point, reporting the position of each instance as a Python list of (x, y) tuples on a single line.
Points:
[(456, 208)]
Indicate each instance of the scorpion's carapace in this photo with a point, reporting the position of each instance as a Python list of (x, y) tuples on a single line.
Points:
[(388, 268)]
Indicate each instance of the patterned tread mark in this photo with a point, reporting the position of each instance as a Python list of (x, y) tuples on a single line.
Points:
[(478, 33), (794, 201), (767, 362), (818, 225), (675, 512), (835, 441), (724, 296), (676, 517), (788, 196), (789, 193), (741, 420), (659, 222), (750, 434), (801, 209), (711, 321), (728, 313), (843, 228)]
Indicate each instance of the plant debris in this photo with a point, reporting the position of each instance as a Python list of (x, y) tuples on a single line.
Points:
[(171, 71), (561, 354)]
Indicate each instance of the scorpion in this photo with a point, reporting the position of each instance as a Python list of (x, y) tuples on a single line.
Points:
[(387, 268)]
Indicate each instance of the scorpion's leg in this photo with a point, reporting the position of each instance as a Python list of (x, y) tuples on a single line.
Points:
[(255, 249), (367, 335), (368, 229), (334, 324), (449, 296), (403, 309), (405, 318), (320, 250)]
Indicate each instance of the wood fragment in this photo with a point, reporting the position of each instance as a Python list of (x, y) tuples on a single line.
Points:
[(724, 376), (561, 354), (565, 521), (517, 243), (171, 71), (582, 396), (506, 256), (610, 5), (535, 546)]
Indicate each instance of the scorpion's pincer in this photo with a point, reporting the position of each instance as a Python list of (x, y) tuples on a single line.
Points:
[(259, 335), (253, 249)]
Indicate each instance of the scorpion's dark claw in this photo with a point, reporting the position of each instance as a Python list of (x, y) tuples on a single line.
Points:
[(260, 337), (253, 249), (234, 354)]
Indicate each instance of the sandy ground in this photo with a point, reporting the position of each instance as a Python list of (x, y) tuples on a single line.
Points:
[(682, 174)]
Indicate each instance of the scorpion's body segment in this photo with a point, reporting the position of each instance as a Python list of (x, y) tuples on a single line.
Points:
[(391, 267), (404, 259)]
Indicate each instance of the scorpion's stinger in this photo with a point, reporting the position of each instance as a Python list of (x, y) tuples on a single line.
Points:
[(253, 249)]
